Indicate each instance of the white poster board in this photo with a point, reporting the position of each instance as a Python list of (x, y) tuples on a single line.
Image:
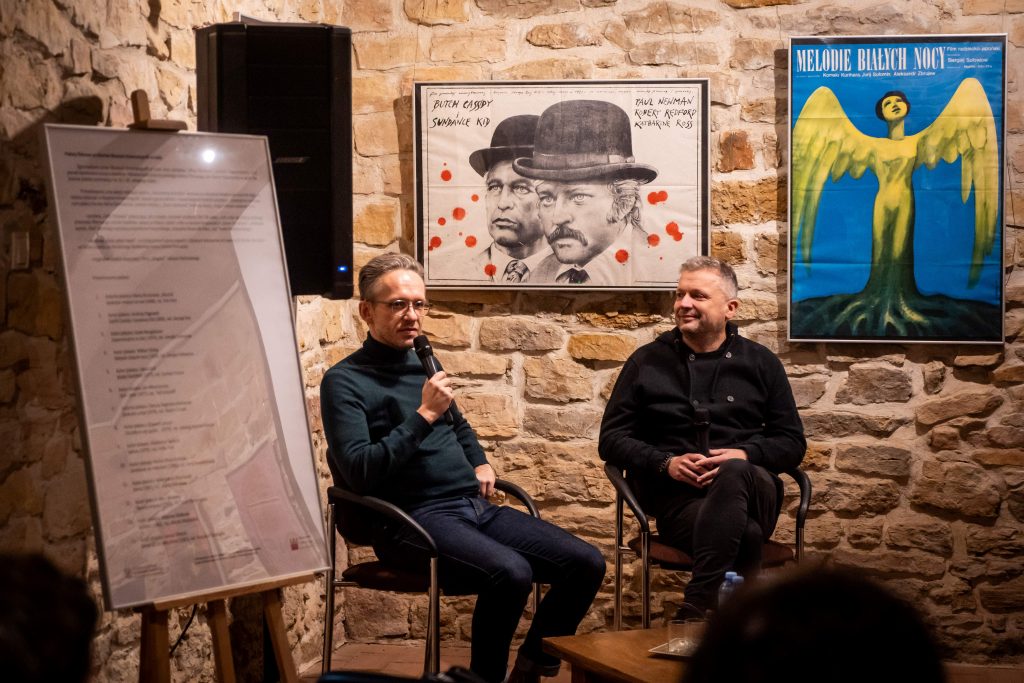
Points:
[(194, 419)]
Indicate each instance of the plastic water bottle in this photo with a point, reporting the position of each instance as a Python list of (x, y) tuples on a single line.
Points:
[(732, 582)]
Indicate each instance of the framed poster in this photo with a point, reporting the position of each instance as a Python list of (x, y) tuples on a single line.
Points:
[(538, 185), (896, 188), (193, 413)]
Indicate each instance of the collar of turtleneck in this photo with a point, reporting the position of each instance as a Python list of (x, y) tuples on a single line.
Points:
[(384, 354)]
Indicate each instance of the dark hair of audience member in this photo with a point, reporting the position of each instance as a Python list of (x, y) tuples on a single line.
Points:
[(816, 625), (47, 621)]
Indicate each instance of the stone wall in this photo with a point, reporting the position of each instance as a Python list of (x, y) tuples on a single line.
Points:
[(917, 452)]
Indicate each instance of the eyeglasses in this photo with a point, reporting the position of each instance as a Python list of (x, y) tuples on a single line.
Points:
[(400, 306)]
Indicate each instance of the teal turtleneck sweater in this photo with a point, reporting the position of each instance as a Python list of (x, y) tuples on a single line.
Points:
[(379, 445)]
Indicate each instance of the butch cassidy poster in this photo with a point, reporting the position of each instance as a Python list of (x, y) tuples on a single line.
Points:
[(594, 185), (896, 161)]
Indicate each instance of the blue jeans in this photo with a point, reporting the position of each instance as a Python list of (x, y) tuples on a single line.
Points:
[(498, 552)]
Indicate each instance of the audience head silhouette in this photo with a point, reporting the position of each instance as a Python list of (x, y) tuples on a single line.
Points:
[(47, 621), (816, 625)]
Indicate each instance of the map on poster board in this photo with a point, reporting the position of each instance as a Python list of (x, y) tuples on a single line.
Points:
[(194, 422)]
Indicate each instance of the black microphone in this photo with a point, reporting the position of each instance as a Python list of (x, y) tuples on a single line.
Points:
[(430, 365), (702, 423)]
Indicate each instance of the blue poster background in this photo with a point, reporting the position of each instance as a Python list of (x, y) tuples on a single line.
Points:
[(944, 225)]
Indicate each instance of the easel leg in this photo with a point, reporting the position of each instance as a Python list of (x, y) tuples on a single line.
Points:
[(154, 652), (224, 666), (278, 637)]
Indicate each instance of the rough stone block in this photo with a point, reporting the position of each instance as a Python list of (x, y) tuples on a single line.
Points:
[(431, 12), (1004, 597), (934, 374), (807, 390), (66, 503), (1010, 373), (875, 460), (492, 415), (35, 304), (674, 52), (570, 68), (524, 9), (472, 363), (619, 35), (986, 360), (557, 379), (518, 334), (959, 487), (754, 53), (449, 329), (383, 51), (727, 246), (375, 134), (609, 347), (619, 321), (562, 36), (745, 201), (768, 253), (875, 383), (823, 532), (966, 402), (893, 563), (478, 45), (865, 533), (757, 306), (557, 423), (944, 438), (375, 94), (835, 423), (671, 18), (850, 496), (906, 529), (380, 614), (996, 541)]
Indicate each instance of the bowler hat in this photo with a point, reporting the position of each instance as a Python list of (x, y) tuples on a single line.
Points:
[(512, 138), (583, 140)]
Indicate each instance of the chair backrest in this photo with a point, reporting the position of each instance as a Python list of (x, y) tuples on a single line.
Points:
[(355, 523)]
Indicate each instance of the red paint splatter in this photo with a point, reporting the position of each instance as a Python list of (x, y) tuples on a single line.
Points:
[(490, 269), (678, 236), (622, 256), (446, 175), (471, 241), (458, 213), (435, 242), (673, 229), (655, 197), (653, 240), (474, 197), (441, 220)]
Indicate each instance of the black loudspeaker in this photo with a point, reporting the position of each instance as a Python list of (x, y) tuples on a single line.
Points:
[(292, 83)]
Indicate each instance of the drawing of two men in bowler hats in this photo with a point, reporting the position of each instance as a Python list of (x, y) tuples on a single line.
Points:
[(568, 175)]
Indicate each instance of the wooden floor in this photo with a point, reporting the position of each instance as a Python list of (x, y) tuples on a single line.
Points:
[(406, 660)]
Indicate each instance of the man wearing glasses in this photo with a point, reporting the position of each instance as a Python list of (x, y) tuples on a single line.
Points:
[(387, 437)]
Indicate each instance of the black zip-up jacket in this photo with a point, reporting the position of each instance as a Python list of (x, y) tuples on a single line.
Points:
[(650, 414)]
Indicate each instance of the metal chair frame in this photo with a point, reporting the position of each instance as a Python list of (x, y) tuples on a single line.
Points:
[(432, 654), (624, 495)]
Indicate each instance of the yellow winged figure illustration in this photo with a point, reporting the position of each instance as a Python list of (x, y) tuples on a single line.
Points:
[(826, 145)]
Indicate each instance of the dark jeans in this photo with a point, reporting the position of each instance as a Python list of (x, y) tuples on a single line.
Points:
[(722, 527), (498, 553)]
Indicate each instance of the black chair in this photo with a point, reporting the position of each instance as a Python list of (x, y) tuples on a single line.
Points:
[(651, 551), (376, 575)]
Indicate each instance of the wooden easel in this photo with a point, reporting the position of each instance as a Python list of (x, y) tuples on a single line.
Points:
[(155, 659)]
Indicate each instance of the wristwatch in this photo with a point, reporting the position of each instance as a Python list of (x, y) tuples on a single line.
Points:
[(663, 468)]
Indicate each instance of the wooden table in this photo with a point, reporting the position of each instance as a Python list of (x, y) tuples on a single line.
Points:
[(617, 656)]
